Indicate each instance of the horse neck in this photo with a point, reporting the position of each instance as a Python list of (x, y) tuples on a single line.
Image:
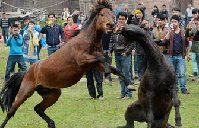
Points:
[(154, 57), (92, 34)]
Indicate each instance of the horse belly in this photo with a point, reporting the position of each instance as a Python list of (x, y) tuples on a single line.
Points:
[(60, 79)]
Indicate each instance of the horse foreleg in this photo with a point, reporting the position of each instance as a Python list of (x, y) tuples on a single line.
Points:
[(117, 72), (110, 69), (176, 104), (50, 96), (23, 94)]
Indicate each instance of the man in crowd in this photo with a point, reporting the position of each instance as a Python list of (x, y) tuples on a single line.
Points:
[(164, 11), (177, 12), (160, 32), (122, 57), (5, 24), (177, 47), (53, 32), (192, 34)]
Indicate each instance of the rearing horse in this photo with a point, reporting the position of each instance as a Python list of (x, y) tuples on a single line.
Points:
[(157, 91), (62, 69)]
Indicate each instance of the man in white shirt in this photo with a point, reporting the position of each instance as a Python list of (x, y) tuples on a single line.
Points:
[(188, 12)]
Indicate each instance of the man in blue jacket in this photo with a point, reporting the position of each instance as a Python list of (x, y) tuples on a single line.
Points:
[(15, 42), (53, 32)]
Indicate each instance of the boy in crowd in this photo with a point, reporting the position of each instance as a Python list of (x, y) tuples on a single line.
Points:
[(15, 42)]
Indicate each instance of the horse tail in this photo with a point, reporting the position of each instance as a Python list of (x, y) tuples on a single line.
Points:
[(10, 90)]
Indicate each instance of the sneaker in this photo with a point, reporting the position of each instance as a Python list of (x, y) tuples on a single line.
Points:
[(101, 98), (120, 97), (126, 97), (91, 98), (185, 92), (107, 81), (193, 78)]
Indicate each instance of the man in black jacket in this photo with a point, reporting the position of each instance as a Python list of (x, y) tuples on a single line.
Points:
[(53, 32), (122, 55)]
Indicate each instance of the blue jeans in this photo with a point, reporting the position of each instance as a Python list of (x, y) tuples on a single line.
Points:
[(123, 64), (90, 75), (141, 65), (180, 69), (11, 62), (30, 57), (135, 65), (195, 63), (51, 50), (131, 68)]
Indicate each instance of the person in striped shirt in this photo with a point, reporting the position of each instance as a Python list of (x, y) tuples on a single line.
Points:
[(5, 24)]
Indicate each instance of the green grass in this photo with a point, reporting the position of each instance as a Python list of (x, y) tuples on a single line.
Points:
[(75, 110)]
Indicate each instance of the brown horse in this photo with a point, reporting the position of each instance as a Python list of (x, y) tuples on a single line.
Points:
[(157, 90), (62, 69)]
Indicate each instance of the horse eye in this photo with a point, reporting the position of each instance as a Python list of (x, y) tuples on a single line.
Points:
[(101, 14)]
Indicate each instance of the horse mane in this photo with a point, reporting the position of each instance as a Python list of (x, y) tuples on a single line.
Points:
[(96, 10)]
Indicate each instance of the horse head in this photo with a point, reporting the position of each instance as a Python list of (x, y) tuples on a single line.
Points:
[(105, 17), (102, 15), (133, 33)]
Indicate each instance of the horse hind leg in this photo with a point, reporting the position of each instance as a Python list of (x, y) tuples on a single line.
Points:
[(24, 93), (134, 112), (50, 96)]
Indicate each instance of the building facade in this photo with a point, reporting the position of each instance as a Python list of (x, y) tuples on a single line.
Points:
[(24, 6), (131, 4)]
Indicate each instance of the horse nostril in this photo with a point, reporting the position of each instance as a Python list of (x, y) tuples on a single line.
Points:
[(110, 25)]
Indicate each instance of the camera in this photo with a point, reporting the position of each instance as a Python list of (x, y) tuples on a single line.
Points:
[(15, 37)]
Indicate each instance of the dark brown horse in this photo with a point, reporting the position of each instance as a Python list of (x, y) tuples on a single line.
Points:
[(62, 69), (157, 90)]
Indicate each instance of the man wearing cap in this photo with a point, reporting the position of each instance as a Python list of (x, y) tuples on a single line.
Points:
[(136, 17)]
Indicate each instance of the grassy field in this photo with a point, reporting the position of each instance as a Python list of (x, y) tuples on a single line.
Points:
[(74, 109)]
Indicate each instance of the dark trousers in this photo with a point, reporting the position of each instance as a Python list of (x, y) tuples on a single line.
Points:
[(109, 61), (11, 62), (90, 75), (38, 50), (5, 34)]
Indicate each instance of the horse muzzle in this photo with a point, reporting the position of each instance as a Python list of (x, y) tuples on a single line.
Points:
[(110, 27)]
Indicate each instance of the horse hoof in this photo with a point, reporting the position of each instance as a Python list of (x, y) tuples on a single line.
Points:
[(51, 125)]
